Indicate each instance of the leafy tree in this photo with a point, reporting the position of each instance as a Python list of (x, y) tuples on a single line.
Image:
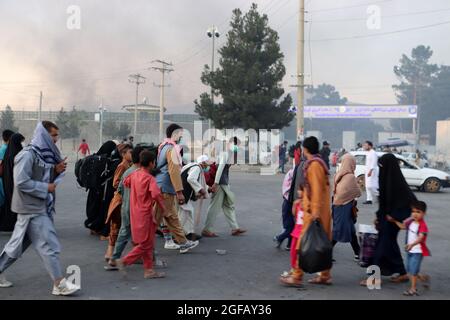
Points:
[(326, 94), (7, 120), (70, 123), (110, 128), (415, 74), (436, 103), (248, 79)]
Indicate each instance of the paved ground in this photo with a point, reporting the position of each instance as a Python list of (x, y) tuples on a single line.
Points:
[(249, 270)]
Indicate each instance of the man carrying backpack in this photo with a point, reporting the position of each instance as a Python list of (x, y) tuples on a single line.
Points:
[(169, 181), (195, 187)]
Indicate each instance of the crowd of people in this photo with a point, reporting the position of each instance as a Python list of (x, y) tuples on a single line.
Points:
[(144, 190), (152, 191), (308, 196)]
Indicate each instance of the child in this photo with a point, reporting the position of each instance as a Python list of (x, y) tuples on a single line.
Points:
[(289, 278), (144, 193), (286, 213), (416, 237)]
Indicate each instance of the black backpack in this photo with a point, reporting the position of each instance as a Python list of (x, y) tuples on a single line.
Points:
[(93, 170), (188, 192)]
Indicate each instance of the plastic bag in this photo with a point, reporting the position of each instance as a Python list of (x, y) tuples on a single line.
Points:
[(315, 249)]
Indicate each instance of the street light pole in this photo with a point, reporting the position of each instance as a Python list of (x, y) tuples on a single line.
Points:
[(213, 33)]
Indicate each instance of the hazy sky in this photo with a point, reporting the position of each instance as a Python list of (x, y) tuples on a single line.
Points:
[(79, 67)]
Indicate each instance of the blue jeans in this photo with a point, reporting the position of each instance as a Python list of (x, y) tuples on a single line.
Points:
[(413, 262), (288, 222)]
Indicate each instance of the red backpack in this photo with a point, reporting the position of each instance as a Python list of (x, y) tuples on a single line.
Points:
[(210, 176)]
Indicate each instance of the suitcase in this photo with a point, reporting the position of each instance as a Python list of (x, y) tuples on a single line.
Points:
[(368, 237)]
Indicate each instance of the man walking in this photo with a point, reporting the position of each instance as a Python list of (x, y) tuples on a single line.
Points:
[(195, 187), (371, 176), (315, 201), (223, 198), (282, 156), (169, 181), (38, 169), (325, 153)]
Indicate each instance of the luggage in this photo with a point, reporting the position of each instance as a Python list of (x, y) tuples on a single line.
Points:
[(368, 237), (315, 249)]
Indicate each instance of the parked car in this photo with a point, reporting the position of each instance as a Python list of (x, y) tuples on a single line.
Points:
[(424, 179), (411, 158)]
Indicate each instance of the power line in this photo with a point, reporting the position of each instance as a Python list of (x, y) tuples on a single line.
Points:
[(383, 33), (349, 7)]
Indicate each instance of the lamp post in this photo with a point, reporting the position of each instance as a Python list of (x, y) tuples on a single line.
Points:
[(212, 33)]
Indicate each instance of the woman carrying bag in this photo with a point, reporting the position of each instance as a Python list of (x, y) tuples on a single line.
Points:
[(345, 192)]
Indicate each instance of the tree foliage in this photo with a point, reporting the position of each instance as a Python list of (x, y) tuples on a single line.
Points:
[(7, 120), (248, 79)]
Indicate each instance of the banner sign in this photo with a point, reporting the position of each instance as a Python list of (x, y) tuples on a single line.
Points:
[(361, 112)]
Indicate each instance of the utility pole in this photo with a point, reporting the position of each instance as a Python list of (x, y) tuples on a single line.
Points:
[(165, 67), (138, 80), (40, 108), (101, 122), (301, 70)]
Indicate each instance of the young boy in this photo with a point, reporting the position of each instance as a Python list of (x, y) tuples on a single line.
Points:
[(144, 193), (114, 216), (286, 213), (287, 278), (416, 237)]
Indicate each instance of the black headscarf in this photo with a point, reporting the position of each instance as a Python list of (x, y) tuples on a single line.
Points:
[(107, 148), (8, 218), (395, 193)]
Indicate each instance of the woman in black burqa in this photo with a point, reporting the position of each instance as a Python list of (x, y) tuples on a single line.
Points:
[(98, 198), (395, 199), (7, 217)]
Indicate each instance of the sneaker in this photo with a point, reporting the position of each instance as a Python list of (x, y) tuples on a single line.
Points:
[(188, 246), (278, 243), (4, 283), (356, 258), (170, 245), (193, 237), (287, 248), (65, 288)]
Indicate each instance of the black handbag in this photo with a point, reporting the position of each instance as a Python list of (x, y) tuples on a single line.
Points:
[(315, 253)]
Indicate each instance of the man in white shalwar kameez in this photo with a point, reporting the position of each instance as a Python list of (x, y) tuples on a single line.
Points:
[(371, 176), (196, 189)]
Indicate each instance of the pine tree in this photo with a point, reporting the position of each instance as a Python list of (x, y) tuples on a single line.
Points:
[(248, 79)]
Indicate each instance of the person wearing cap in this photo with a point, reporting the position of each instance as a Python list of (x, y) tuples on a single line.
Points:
[(194, 187), (325, 153)]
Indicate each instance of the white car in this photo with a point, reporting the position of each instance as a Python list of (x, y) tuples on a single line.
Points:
[(411, 158), (425, 179)]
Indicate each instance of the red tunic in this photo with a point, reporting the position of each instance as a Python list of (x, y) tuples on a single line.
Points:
[(144, 193)]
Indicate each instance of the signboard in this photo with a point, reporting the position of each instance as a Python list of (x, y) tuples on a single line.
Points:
[(361, 112)]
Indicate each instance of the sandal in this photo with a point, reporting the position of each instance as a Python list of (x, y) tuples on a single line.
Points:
[(319, 280), (410, 293), (154, 275), (400, 278), (290, 281), (110, 267), (209, 234), (363, 283)]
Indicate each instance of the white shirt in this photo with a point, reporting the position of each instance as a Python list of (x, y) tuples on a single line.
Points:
[(372, 164), (413, 234)]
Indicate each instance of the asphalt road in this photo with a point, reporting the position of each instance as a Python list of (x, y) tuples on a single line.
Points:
[(249, 270)]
